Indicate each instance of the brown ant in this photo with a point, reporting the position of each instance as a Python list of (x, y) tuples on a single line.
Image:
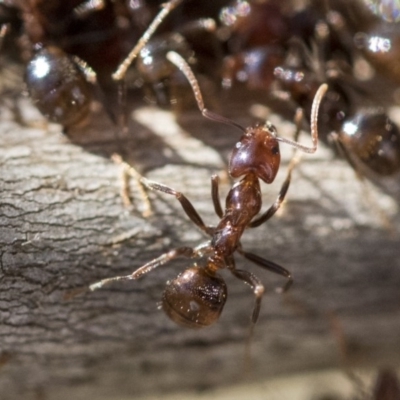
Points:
[(365, 136), (59, 83), (195, 299)]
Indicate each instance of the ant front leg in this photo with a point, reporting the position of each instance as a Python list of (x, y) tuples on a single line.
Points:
[(185, 203), (275, 207), (215, 196), (270, 266)]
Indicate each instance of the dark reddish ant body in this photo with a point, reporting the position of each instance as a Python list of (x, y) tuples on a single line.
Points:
[(195, 299)]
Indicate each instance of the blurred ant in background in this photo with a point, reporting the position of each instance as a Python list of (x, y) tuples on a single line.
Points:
[(68, 45), (297, 51), (91, 31)]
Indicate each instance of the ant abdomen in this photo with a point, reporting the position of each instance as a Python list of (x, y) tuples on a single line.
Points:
[(156, 72), (374, 139), (195, 298), (58, 87), (152, 62)]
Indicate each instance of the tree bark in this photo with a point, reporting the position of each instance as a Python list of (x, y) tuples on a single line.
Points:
[(63, 226)]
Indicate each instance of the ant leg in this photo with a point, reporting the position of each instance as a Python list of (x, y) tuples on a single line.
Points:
[(198, 25), (129, 171), (88, 7), (258, 290), (271, 266), (87, 70), (298, 120), (185, 203), (256, 285), (91, 77), (215, 195), (187, 252), (166, 8), (275, 207), (4, 29)]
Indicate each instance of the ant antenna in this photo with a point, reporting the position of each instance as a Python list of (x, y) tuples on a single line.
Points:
[(119, 74), (180, 63), (314, 123)]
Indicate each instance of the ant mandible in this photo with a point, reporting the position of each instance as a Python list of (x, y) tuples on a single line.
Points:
[(195, 298)]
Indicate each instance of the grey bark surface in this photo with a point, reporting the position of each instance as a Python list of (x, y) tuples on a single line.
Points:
[(63, 226)]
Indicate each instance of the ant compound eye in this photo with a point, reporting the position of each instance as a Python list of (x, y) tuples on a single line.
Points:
[(275, 150), (194, 299)]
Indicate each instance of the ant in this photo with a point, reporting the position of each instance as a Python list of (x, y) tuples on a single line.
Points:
[(365, 136), (196, 298), (58, 84), (61, 85)]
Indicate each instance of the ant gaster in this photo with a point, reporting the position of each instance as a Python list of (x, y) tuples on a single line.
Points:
[(195, 299)]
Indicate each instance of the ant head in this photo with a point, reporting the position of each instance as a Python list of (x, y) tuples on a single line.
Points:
[(195, 298), (257, 151)]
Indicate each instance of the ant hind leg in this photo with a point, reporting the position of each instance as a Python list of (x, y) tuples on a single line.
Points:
[(271, 266)]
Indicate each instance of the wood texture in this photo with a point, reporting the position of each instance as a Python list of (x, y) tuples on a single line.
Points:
[(63, 226)]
